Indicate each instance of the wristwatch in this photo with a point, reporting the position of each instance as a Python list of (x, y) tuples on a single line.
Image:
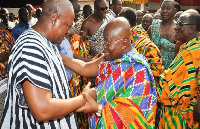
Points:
[(100, 108)]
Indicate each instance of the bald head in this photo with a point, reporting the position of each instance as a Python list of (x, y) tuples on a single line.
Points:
[(117, 38), (97, 2), (118, 27), (56, 6)]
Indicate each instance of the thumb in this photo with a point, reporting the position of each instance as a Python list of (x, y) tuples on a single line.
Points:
[(88, 85)]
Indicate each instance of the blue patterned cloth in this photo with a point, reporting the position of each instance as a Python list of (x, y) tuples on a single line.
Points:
[(19, 29), (127, 90), (65, 49)]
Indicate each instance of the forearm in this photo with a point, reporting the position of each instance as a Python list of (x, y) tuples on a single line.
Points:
[(58, 108), (89, 69), (44, 107), (81, 58)]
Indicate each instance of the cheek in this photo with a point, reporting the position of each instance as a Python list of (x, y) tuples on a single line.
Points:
[(179, 34)]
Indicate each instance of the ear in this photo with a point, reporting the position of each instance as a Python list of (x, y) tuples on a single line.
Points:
[(192, 28), (54, 19), (174, 11), (124, 44)]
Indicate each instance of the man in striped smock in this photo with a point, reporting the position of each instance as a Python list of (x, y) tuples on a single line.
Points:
[(38, 92)]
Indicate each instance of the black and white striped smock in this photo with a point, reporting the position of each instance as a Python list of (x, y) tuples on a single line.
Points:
[(37, 59)]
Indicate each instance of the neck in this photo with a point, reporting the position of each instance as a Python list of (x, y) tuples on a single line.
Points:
[(167, 22), (42, 30), (97, 17)]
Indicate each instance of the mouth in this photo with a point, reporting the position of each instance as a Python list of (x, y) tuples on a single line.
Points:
[(165, 16)]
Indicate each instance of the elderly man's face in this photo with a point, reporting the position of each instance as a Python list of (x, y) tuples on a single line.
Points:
[(183, 28), (62, 26), (146, 22), (112, 44)]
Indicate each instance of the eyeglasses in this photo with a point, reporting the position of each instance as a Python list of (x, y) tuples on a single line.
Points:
[(106, 43), (103, 8), (180, 24)]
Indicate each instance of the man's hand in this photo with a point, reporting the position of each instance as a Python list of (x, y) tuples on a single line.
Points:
[(90, 106), (90, 91)]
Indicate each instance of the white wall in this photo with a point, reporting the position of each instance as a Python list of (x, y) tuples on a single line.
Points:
[(13, 10)]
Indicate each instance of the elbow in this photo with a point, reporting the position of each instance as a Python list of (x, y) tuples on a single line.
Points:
[(41, 116)]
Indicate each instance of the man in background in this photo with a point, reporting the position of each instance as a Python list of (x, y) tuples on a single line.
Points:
[(23, 23)]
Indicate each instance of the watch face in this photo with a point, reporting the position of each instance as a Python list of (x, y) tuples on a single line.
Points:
[(98, 114)]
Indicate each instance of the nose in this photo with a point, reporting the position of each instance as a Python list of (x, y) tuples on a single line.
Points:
[(164, 10)]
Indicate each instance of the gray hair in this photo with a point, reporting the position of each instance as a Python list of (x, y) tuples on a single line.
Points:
[(56, 6)]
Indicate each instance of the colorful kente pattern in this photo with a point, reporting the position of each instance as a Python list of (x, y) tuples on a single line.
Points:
[(127, 90), (80, 47), (6, 43), (141, 41), (178, 88)]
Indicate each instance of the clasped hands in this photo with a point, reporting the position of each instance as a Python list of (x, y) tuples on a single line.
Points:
[(90, 96)]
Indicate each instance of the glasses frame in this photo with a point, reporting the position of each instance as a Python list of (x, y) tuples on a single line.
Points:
[(180, 26), (103, 9)]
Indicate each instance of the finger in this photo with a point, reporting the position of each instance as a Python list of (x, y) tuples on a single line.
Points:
[(82, 109), (87, 97), (88, 85)]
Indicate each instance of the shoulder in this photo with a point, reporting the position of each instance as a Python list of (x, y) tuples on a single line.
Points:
[(30, 39), (89, 20)]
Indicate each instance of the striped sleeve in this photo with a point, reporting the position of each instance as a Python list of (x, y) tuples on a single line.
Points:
[(30, 63)]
